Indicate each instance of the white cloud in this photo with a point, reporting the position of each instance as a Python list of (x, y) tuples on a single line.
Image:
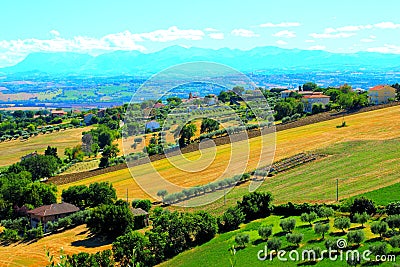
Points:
[(211, 30), (55, 33), (285, 33), (370, 39), (281, 42), (216, 35), (331, 35), (317, 47), (309, 41), (280, 25), (244, 33), (172, 34), (387, 25), (387, 48)]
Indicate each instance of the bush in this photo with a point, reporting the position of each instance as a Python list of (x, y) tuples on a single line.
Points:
[(379, 228), (395, 241), (144, 204), (393, 221), (342, 223), (321, 229), (294, 238), (332, 244), (361, 205), (265, 231), (287, 225), (35, 233), (242, 239), (9, 235), (256, 205), (379, 249), (356, 236), (393, 208), (231, 219)]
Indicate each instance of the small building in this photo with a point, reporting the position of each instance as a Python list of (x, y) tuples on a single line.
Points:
[(87, 118), (30, 155), (159, 105), (50, 213), (316, 98), (101, 113), (58, 113), (152, 125), (138, 212), (381, 94), (286, 93)]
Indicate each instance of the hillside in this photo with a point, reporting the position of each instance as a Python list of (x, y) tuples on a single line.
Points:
[(372, 125)]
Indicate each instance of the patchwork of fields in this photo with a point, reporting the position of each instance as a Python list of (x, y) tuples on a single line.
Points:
[(372, 125)]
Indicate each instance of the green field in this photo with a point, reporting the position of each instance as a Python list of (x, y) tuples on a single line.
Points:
[(385, 195), (360, 166), (216, 252)]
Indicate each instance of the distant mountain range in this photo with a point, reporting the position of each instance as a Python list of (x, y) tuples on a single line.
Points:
[(257, 59)]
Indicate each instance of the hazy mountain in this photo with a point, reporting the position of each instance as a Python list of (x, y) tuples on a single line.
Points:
[(260, 58)]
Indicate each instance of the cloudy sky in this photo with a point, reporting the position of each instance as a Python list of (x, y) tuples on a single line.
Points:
[(99, 26)]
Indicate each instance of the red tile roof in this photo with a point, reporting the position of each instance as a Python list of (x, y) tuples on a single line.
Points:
[(159, 105), (54, 209), (379, 87), (316, 96)]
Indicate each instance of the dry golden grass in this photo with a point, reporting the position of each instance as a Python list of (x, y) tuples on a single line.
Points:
[(34, 253), (374, 125), (12, 151)]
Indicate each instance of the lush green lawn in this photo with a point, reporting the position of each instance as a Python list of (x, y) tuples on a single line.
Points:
[(385, 195), (216, 252)]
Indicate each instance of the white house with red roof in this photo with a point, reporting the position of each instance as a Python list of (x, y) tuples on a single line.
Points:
[(314, 98)]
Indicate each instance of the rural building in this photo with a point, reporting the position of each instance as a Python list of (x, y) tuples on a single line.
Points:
[(50, 213), (381, 94), (286, 93), (30, 155), (58, 113), (159, 105), (142, 214), (87, 118), (152, 125), (315, 98)]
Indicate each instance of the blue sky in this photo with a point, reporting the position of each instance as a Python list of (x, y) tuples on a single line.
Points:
[(97, 27)]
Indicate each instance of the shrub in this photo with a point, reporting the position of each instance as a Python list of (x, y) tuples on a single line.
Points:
[(393, 221), (35, 233), (242, 239), (287, 225), (379, 227), (361, 205), (144, 204), (356, 236), (342, 223), (393, 208), (379, 249), (395, 241), (294, 238), (265, 231), (321, 229), (9, 235), (332, 244), (256, 205), (231, 219)]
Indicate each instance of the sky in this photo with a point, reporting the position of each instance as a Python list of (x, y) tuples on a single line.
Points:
[(97, 27)]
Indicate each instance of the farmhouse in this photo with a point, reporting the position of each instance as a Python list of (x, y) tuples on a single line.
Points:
[(141, 214), (315, 98), (58, 113), (286, 93), (381, 94), (50, 213)]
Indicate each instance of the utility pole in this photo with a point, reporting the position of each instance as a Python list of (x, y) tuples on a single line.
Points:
[(127, 195), (337, 190), (224, 196)]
